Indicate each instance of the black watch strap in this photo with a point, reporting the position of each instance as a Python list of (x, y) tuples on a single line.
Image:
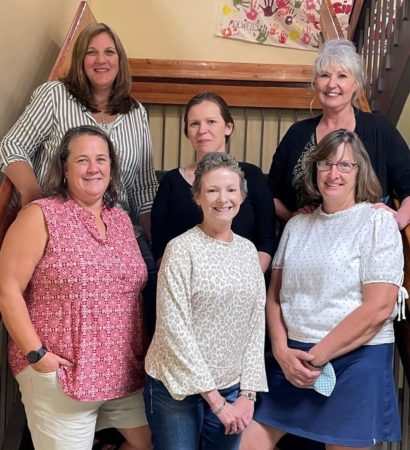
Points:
[(35, 355)]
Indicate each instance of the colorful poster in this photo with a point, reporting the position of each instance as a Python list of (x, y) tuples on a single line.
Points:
[(286, 23)]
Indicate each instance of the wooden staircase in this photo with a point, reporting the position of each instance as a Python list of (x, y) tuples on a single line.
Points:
[(382, 35), (172, 82)]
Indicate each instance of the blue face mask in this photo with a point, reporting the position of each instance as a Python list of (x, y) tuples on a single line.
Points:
[(326, 381)]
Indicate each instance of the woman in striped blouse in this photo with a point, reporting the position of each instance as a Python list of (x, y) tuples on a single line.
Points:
[(96, 91)]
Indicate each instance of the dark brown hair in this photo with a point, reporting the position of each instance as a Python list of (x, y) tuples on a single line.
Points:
[(77, 83), (55, 183), (214, 98)]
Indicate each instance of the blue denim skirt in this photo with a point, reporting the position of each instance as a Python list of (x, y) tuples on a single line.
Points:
[(361, 411)]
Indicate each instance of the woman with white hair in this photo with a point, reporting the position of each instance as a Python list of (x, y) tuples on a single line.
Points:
[(337, 80)]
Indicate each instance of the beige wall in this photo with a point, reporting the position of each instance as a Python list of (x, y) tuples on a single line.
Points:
[(32, 32), (183, 29)]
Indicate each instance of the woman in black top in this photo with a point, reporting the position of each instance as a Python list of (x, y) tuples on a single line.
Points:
[(208, 125), (337, 80)]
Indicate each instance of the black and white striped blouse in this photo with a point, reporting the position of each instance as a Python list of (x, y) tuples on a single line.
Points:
[(52, 111)]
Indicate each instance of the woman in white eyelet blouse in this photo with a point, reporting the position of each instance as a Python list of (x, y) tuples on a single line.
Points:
[(330, 309)]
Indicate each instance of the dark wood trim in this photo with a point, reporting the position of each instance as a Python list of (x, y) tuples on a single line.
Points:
[(172, 68), (239, 96), (241, 84)]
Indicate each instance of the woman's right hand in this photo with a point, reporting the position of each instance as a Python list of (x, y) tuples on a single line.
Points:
[(291, 363), (50, 363)]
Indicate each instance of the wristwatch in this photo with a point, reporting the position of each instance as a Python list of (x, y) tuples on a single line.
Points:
[(249, 395), (35, 355)]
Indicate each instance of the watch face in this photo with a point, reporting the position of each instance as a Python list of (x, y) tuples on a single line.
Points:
[(35, 355)]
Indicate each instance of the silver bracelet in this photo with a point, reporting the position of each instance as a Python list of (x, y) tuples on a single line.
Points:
[(249, 395), (218, 410)]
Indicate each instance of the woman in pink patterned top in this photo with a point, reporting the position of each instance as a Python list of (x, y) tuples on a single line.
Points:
[(71, 276)]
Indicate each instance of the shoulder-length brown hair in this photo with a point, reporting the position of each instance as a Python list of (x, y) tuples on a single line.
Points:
[(368, 188), (77, 83), (55, 184)]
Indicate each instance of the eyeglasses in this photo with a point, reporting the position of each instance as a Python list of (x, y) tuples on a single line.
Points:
[(343, 166)]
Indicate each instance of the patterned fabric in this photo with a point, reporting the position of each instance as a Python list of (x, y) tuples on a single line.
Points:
[(326, 258), (326, 381), (388, 151), (299, 172), (210, 316), (52, 111), (85, 304)]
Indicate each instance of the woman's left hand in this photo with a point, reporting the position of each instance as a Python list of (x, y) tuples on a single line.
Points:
[(51, 362), (246, 408)]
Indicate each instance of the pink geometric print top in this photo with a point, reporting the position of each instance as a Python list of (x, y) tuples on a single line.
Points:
[(84, 300)]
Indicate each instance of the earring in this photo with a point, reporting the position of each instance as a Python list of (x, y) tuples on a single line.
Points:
[(65, 181)]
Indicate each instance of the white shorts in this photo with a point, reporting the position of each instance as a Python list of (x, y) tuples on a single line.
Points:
[(58, 422)]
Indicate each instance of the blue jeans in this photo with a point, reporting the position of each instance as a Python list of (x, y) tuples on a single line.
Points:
[(187, 424)]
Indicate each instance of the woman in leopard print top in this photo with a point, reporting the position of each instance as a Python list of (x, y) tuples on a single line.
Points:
[(205, 363)]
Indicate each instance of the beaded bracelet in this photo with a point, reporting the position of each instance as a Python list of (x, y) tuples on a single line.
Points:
[(218, 410)]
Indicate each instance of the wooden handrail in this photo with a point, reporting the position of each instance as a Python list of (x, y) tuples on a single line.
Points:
[(82, 18), (354, 18), (6, 190), (330, 26)]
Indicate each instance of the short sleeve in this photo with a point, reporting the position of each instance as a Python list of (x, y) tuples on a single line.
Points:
[(279, 258), (381, 259)]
